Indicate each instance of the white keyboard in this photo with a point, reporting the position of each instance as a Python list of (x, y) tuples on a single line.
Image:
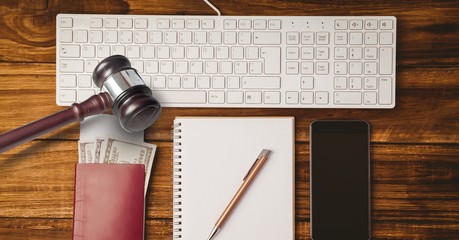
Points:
[(235, 61)]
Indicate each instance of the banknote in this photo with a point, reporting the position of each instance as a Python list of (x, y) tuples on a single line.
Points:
[(118, 151), (86, 151)]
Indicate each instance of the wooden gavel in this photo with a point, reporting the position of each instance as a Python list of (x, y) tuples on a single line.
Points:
[(128, 96)]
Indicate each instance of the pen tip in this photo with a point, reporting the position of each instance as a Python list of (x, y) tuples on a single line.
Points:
[(212, 234)]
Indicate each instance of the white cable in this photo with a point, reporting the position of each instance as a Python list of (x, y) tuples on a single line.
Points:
[(213, 7)]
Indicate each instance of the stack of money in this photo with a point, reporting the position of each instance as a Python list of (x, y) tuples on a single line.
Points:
[(119, 148)]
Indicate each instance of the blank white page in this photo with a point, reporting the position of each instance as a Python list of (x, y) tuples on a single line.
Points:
[(216, 154)]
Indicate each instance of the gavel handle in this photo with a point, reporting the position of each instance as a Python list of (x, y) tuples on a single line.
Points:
[(77, 112)]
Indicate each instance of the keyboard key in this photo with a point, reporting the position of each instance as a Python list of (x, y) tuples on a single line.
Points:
[(355, 24), (69, 51), (170, 37), (355, 68), (341, 24), (126, 23), (259, 24), (226, 67), (192, 52), (385, 60), (222, 53), (95, 23), (385, 38), (340, 68), (340, 53), (218, 82), (151, 67), (156, 37), (178, 24), (189, 82), (185, 37), (274, 24), (207, 52), (200, 37), (272, 58), (253, 97), (192, 24), (371, 24), (215, 37), (322, 38), (204, 82), (65, 22), (141, 37), (355, 53), (91, 65), (385, 24), (348, 98), (133, 52), (371, 53), (266, 38), (307, 83), (261, 82), (211, 67), (72, 66), (110, 23), (291, 97), (293, 38), (322, 68), (178, 52), (255, 67), (240, 67), (67, 81), (272, 97), (307, 98), (385, 90), (65, 36), (307, 68), (355, 38), (118, 50), (340, 83), (371, 38), (186, 97), (181, 67), (207, 24), (292, 68), (322, 97), (235, 97), (245, 24), (293, 53), (370, 83), (307, 53), (237, 52), (370, 68), (245, 38), (166, 67), (141, 23), (196, 67), (307, 38), (84, 81), (341, 38), (251, 53), (233, 82), (68, 96), (229, 37), (126, 37), (229, 24), (369, 98), (81, 36), (322, 53), (355, 83), (173, 82), (159, 82), (216, 97), (163, 52), (111, 36), (148, 52), (163, 23)]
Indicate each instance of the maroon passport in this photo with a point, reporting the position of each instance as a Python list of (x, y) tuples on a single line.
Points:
[(109, 202)]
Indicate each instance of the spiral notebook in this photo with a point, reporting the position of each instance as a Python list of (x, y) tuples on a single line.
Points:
[(211, 158)]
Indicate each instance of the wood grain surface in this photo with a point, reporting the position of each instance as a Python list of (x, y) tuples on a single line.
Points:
[(414, 147)]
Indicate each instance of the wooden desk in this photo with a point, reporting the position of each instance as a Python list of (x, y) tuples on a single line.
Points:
[(414, 152)]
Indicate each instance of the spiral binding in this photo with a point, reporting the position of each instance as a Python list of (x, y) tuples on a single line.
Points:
[(177, 181)]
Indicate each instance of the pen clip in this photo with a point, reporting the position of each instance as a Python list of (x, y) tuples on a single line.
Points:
[(264, 153), (250, 170)]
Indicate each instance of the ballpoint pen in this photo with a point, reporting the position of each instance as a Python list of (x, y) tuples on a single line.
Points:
[(256, 166)]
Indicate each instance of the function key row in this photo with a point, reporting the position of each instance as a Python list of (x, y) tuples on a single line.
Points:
[(369, 24), (165, 23)]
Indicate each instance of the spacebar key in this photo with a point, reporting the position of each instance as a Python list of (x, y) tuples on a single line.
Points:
[(180, 96)]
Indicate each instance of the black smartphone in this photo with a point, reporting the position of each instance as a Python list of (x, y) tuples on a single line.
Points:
[(340, 180)]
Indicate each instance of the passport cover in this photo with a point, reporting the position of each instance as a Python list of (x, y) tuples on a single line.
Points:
[(109, 202)]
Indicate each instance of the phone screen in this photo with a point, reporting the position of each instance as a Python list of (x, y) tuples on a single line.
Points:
[(340, 178)]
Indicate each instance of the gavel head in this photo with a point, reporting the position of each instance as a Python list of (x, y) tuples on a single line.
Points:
[(133, 102)]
